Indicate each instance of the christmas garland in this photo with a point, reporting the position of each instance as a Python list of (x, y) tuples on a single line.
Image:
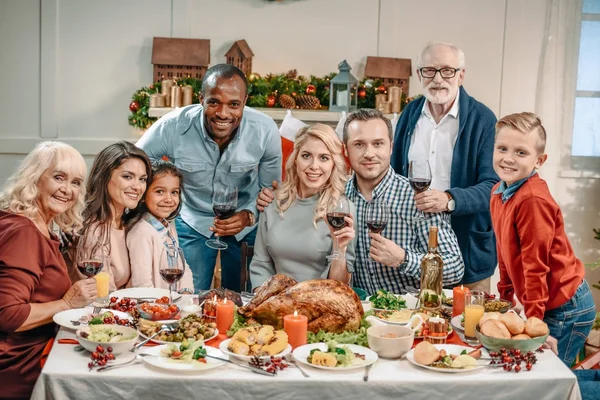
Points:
[(266, 91)]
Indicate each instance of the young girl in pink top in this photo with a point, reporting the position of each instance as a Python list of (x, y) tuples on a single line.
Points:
[(154, 231)]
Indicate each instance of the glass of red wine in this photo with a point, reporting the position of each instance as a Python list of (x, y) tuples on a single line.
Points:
[(377, 215), (419, 176), (336, 212), (90, 261), (224, 202), (172, 267)]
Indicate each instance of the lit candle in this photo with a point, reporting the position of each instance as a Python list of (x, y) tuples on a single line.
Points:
[(458, 300), (225, 311), (296, 327)]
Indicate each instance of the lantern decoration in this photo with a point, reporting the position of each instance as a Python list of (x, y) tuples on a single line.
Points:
[(343, 90)]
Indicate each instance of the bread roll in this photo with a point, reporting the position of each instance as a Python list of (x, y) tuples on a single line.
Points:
[(496, 329), (426, 353), (521, 336), (535, 327), (513, 322), (489, 315)]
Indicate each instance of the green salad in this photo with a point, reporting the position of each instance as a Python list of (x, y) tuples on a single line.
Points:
[(385, 300), (106, 334), (343, 355), (187, 352)]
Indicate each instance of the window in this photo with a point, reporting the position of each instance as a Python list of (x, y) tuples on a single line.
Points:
[(585, 150)]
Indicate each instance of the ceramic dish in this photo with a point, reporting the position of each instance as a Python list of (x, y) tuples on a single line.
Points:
[(65, 318), (450, 349), (165, 342), (165, 363), (225, 343), (301, 354)]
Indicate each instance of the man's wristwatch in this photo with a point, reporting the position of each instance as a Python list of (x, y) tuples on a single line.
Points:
[(451, 203), (251, 217)]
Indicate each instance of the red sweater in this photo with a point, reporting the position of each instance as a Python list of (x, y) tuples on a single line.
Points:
[(535, 256)]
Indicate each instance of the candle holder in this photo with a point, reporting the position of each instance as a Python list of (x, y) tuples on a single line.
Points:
[(438, 330), (209, 311)]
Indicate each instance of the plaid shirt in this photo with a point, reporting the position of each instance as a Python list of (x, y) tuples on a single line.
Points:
[(407, 232)]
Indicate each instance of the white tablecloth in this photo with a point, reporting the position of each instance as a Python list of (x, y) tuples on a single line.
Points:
[(66, 376)]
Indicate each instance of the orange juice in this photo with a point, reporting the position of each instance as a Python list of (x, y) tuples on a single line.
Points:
[(473, 313), (102, 284)]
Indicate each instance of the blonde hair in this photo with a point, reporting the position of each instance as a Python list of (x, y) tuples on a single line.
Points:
[(460, 55), (525, 122), (336, 183), (20, 192)]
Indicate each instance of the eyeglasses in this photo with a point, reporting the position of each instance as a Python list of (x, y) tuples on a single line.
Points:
[(446, 72)]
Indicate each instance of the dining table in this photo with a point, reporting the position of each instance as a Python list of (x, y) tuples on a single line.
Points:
[(66, 375)]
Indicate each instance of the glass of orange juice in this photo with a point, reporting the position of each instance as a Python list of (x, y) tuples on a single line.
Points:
[(474, 309), (102, 286)]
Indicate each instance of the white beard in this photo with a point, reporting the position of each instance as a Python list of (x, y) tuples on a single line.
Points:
[(438, 98)]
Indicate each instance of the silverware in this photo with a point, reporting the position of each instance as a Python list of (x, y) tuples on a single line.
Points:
[(136, 360), (253, 369), (78, 348), (96, 310), (367, 369), (163, 328), (77, 323), (290, 359)]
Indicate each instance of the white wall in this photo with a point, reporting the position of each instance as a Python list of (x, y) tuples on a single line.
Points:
[(71, 75)]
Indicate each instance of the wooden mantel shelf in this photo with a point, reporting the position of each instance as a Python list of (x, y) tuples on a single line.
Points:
[(278, 114)]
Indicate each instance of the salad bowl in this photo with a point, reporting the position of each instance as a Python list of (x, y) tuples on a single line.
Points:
[(120, 338)]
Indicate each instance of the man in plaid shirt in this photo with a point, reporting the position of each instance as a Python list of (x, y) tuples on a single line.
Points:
[(398, 250)]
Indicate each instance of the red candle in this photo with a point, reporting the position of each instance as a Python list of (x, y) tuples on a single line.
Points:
[(458, 300), (225, 311), (296, 327)]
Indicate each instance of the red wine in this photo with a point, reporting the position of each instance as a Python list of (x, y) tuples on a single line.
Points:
[(224, 211), (336, 220), (90, 268), (420, 184), (171, 275), (376, 226)]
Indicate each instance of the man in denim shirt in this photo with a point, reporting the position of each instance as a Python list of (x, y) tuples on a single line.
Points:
[(217, 143)]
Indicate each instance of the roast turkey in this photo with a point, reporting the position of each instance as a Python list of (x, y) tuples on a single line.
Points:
[(329, 304)]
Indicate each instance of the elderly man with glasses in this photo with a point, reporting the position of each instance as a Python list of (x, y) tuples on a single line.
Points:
[(455, 133)]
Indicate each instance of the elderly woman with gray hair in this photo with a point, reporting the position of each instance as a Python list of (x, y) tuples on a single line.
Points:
[(47, 189)]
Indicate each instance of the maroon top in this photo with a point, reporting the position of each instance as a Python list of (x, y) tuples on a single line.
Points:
[(32, 270)]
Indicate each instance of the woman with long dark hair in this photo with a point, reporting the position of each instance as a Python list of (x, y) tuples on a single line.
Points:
[(116, 185)]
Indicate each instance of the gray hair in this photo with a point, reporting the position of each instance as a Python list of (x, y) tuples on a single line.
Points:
[(367, 114), (459, 53)]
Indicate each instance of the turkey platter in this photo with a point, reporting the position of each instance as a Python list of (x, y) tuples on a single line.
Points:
[(329, 305)]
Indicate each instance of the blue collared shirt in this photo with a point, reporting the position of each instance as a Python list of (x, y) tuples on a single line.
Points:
[(509, 191), (406, 231), (251, 161)]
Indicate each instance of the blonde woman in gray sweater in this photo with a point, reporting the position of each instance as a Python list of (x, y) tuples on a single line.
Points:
[(294, 237)]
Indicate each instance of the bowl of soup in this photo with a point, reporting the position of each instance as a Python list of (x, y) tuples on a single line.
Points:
[(390, 341)]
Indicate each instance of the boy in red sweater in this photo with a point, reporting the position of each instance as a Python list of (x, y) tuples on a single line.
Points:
[(536, 260)]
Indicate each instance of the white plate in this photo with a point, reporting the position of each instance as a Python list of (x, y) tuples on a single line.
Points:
[(165, 342), (450, 349), (225, 343), (141, 292), (455, 322), (301, 354), (164, 363), (64, 318)]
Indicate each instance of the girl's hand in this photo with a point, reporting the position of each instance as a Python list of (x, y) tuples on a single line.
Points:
[(552, 344), (346, 234)]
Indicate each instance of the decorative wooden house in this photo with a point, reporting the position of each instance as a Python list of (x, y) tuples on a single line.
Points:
[(240, 56), (392, 71), (180, 58)]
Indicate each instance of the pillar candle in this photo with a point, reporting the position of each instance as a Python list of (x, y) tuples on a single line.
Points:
[(395, 97), (154, 100), (296, 327), (458, 300), (379, 100), (188, 92), (165, 89), (225, 311), (161, 100), (176, 96), (387, 107)]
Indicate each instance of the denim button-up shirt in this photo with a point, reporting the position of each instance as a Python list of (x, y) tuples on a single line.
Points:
[(251, 161)]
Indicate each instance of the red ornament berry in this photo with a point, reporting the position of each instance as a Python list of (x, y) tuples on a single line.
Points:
[(113, 299), (94, 356), (90, 365), (271, 101), (528, 366), (517, 368), (100, 349), (362, 93), (381, 89), (109, 349), (134, 106), (311, 89)]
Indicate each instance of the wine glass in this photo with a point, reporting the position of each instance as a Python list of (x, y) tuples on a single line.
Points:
[(376, 216), (419, 176), (90, 261), (224, 201), (172, 267), (336, 212)]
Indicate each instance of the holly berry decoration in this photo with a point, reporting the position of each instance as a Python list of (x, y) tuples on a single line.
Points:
[(134, 106), (101, 357), (381, 89), (362, 93), (151, 86), (271, 101), (311, 89), (511, 360), (294, 94)]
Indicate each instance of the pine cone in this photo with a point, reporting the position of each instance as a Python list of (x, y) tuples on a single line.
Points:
[(308, 102), (292, 74), (287, 101)]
